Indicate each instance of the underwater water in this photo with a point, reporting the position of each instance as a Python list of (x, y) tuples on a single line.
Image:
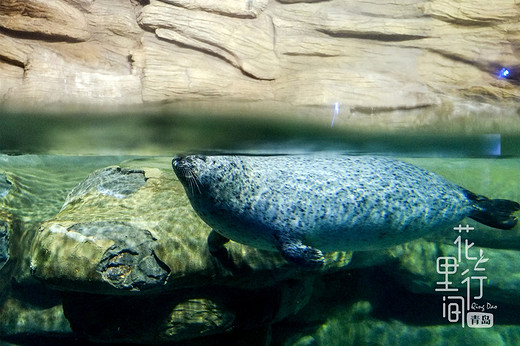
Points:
[(99, 244)]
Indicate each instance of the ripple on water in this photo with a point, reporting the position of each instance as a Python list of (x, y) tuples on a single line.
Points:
[(38, 184)]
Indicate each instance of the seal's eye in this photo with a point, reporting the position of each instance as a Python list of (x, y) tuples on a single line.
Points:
[(178, 161)]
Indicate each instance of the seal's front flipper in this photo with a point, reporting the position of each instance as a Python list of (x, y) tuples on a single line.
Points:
[(306, 256), (216, 247), (216, 242), (496, 213)]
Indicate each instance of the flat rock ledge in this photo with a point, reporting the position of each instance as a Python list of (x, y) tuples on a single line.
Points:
[(385, 56)]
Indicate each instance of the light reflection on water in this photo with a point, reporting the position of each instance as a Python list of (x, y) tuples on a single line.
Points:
[(168, 131)]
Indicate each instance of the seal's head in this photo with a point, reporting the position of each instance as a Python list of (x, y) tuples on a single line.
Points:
[(188, 169), (199, 173)]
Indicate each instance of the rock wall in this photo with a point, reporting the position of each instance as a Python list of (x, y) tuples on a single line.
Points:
[(364, 54)]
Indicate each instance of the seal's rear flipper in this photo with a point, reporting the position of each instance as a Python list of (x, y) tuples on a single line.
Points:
[(497, 213), (306, 256)]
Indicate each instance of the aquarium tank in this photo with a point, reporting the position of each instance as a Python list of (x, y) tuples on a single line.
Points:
[(259, 172)]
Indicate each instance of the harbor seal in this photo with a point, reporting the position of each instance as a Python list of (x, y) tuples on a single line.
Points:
[(303, 205)]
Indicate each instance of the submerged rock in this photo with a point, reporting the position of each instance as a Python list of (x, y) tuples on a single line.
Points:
[(6, 253), (112, 181), (372, 306), (130, 263), (149, 240), (416, 269), (28, 310), (4, 242), (364, 329), (125, 235), (33, 315), (5, 185), (184, 314)]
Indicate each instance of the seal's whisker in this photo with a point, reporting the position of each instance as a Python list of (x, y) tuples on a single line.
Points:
[(191, 185), (191, 179), (194, 180)]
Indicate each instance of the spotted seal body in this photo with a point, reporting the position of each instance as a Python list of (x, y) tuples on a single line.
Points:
[(302, 205)]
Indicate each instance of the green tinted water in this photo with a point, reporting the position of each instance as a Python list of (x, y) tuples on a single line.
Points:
[(43, 156), (255, 129)]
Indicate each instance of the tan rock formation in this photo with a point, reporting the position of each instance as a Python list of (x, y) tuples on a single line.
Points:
[(47, 19), (233, 8), (365, 55)]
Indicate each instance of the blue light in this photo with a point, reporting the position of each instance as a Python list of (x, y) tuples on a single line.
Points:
[(504, 73)]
